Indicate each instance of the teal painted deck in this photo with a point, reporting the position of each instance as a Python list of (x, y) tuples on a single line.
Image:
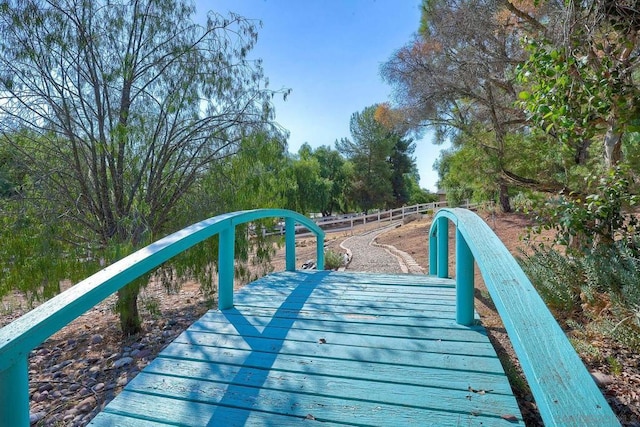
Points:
[(333, 347)]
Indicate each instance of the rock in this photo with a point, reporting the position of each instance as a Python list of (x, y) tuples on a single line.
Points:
[(122, 381), (45, 387), (87, 404), (98, 387), (122, 362), (601, 378), (144, 354), (96, 339), (36, 417), (113, 357)]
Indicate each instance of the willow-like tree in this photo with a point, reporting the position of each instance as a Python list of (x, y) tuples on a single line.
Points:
[(126, 104)]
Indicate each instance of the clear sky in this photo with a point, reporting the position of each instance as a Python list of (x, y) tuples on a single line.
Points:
[(329, 53)]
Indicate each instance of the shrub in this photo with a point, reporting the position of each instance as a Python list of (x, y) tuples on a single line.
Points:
[(333, 260)]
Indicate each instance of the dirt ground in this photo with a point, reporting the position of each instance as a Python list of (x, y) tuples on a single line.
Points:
[(621, 388)]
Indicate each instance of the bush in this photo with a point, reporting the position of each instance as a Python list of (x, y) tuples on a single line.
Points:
[(602, 285), (333, 260)]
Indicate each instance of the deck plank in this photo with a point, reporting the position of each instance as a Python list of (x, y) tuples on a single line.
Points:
[(331, 347)]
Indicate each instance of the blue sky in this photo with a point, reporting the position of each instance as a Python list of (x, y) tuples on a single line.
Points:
[(329, 53)]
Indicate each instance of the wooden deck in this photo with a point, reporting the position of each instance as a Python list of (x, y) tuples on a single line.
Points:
[(315, 347)]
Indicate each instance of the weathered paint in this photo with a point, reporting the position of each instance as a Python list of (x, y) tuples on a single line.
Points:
[(339, 348), (565, 392), (22, 335), (464, 282), (443, 246)]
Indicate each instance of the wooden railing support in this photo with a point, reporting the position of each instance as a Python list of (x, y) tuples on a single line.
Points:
[(465, 313), (226, 267), (14, 393), (443, 247), (290, 243)]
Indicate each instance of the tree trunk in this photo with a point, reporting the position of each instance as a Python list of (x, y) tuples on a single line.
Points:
[(505, 203), (128, 309), (612, 146)]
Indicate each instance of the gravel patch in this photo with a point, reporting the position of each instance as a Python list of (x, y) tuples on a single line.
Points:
[(367, 256)]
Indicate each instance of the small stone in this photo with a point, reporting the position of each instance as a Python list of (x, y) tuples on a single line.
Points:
[(135, 353), (87, 404), (74, 387), (144, 353), (45, 387), (113, 357), (122, 381), (98, 387), (122, 362), (56, 394), (36, 417), (601, 378)]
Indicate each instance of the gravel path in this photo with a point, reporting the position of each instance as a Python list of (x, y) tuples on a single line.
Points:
[(368, 256)]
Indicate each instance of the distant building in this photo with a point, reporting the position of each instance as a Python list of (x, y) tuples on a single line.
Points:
[(442, 195)]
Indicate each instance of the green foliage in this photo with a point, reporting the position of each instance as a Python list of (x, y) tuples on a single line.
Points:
[(381, 157), (333, 260), (596, 217), (557, 278), (171, 99), (601, 285)]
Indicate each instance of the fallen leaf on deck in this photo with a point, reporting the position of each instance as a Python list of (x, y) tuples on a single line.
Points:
[(509, 417)]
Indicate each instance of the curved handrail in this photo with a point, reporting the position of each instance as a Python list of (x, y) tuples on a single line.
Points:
[(22, 335), (563, 389)]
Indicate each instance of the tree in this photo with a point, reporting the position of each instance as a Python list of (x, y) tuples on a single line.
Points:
[(369, 151), (126, 104), (336, 172), (403, 169), (458, 73), (582, 76)]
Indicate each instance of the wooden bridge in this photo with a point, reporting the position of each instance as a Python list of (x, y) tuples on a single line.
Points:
[(331, 347)]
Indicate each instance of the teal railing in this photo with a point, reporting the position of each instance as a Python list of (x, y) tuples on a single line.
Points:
[(24, 334), (565, 392)]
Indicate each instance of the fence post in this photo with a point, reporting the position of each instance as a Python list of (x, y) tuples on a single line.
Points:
[(14, 394), (290, 243), (226, 258), (443, 246), (464, 281)]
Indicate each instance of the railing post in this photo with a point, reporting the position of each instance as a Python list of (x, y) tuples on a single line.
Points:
[(320, 253), (226, 257), (14, 394), (433, 253), (464, 281), (443, 247), (290, 243)]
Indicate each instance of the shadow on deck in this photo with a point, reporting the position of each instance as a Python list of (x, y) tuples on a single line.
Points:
[(325, 347)]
